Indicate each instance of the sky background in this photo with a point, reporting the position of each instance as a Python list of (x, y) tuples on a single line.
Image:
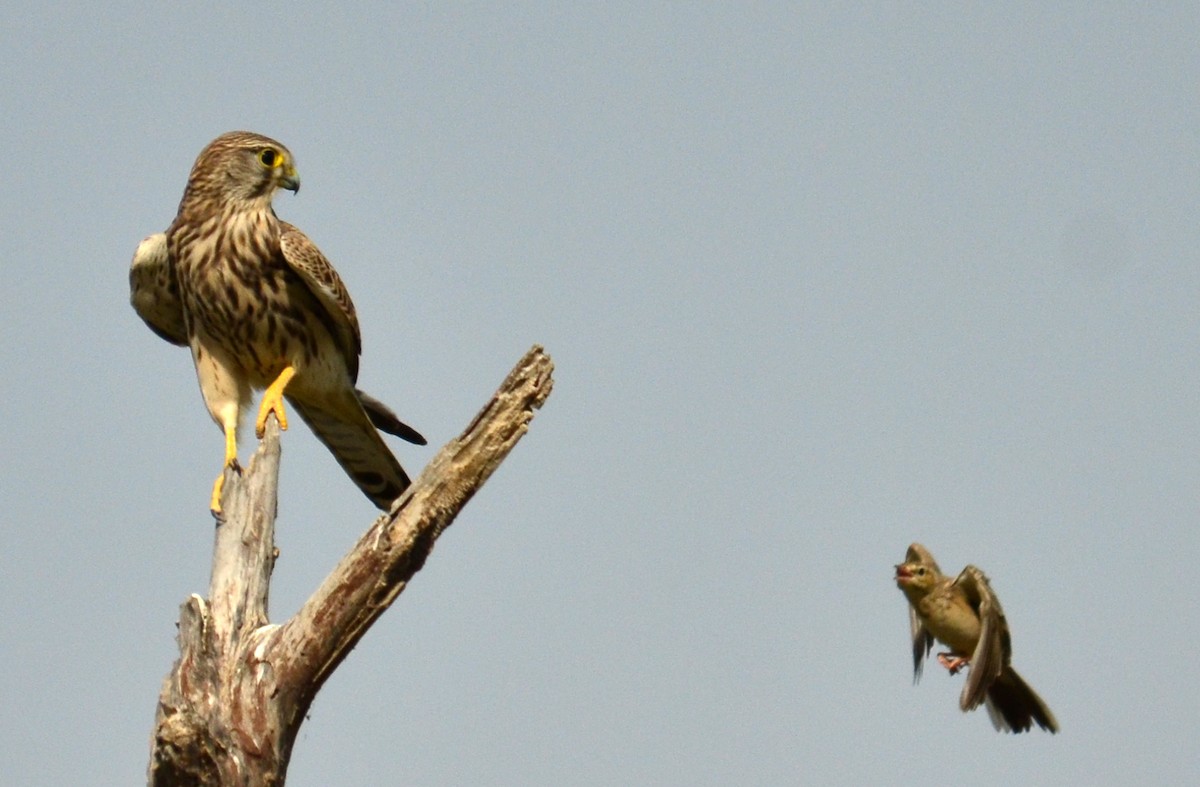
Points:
[(818, 282)]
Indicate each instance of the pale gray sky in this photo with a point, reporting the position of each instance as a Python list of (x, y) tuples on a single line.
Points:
[(818, 282)]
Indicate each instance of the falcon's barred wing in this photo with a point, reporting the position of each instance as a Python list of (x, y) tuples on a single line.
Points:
[(303, 257), (153, 291)]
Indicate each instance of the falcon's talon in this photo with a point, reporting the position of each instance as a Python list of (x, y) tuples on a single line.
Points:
[(272, 401), (214, 504)]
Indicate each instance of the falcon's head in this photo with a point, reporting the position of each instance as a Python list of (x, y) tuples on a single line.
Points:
[(242, 167)]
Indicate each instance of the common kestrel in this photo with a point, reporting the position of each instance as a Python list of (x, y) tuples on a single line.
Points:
[(261, 308), (965, 615)]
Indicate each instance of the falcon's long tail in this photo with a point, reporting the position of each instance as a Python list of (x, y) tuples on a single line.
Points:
[(386, 421), (353, 440), (1014, 706)]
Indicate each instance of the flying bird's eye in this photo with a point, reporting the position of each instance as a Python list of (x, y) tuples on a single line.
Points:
[(268, 157)]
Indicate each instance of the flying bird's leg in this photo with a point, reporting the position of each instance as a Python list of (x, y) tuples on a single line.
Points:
[(952, 662), (273, 401)]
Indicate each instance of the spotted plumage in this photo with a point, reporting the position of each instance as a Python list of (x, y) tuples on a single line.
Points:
[(262, 308)]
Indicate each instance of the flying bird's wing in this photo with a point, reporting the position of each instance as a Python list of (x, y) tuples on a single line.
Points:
[(992, 651), (922, 640)]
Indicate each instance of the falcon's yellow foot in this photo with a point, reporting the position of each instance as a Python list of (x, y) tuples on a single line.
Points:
[(230, 462), (273, 401), (219, 485), (952, 662)]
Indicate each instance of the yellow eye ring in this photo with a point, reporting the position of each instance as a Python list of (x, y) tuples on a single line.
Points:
[(270, 158)]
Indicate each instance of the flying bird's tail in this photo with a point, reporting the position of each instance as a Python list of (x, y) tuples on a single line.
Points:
[(348, 433), (1014, 706)]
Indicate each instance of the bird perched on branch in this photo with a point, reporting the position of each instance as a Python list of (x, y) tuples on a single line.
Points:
[(261, 308), (965, 615)]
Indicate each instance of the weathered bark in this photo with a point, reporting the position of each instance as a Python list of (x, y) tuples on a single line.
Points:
[(229, 711)]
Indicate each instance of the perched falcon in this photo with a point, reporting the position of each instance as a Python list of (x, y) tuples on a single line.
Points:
[(261, 308), (965, 615)]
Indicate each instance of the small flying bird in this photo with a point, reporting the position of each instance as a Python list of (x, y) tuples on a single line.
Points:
[(965, 615), (262, 308)]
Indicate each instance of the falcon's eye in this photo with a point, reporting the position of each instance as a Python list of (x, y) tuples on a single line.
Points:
[(268, 157)]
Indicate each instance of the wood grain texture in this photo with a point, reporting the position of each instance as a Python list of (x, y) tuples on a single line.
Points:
[(229, 711)]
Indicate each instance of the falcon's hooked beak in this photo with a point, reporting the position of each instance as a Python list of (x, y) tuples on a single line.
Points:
[(290, 179)]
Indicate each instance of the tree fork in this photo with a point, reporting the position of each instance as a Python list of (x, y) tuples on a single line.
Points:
[(229, 711)]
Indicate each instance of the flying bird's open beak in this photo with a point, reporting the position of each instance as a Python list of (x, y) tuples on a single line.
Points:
[(290, 180)]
